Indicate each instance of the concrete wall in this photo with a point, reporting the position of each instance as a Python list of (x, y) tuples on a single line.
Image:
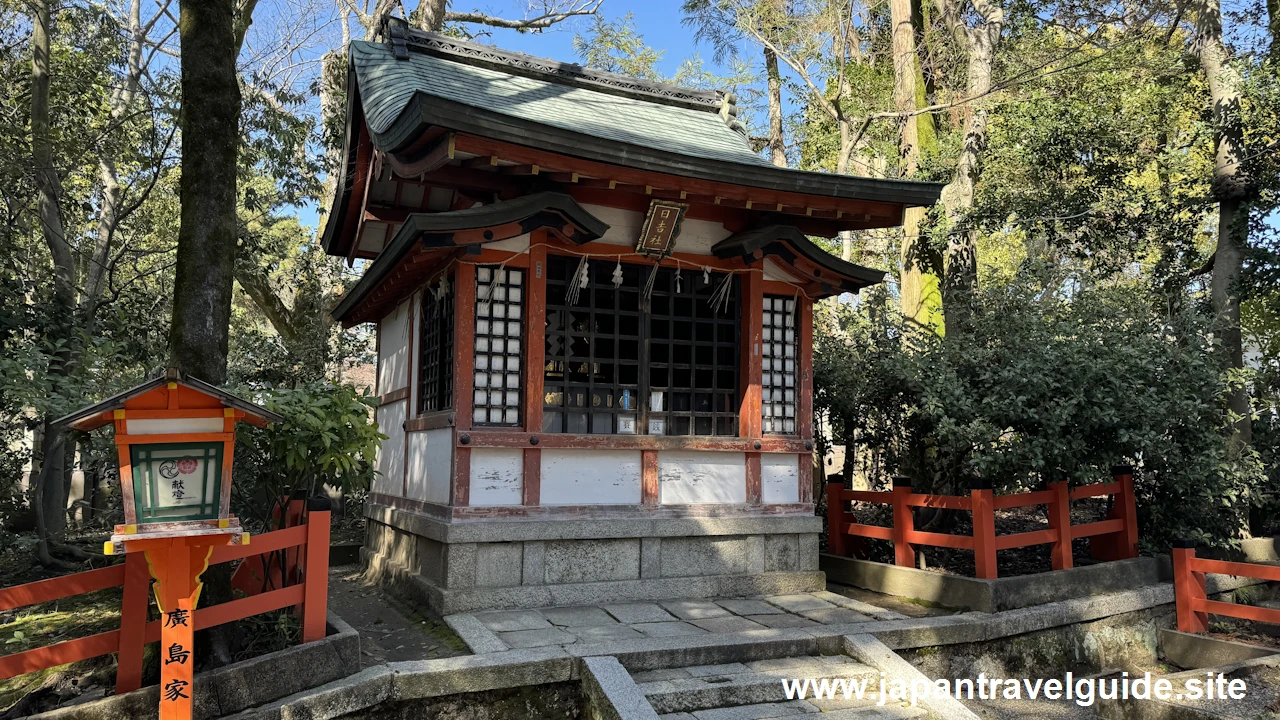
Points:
[(430, 465)]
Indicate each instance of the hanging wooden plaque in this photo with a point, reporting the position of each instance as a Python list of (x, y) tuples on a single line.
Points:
[(661, 227)]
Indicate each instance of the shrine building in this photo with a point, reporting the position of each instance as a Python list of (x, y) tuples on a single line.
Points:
[(594, 305)]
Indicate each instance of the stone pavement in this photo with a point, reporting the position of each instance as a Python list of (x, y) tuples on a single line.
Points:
[(500, 630)]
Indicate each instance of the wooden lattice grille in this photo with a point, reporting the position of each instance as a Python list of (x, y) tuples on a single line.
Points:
[(499, 332), (778, 361), (435, 348)]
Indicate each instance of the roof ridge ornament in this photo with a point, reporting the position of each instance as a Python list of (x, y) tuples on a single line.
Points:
[(729, 113)]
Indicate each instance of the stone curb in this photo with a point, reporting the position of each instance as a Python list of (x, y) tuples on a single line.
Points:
[(231, 689), (474, 633), (868, 650), (611, 693)]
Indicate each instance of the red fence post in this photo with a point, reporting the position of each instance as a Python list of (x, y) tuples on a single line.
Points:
[(1060, 520), (1126, 506), (836, 519), (316, 573), (1188, 586), (133, 622), (903, 523), (984, 528)]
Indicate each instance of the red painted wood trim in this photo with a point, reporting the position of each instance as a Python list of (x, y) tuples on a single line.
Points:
[(462, 477), (430, 421), (316, 594), (1023, 539), (497, 438), (532, 486), (1189, 592), (68, 651), (1102, 527), (1060, 522), (125, 463), (749, 420), (649, 488), (553, 161), (903, 525), (489, 256), (464, 358), (804, 471), (1239, 569), (955, 542), (869, 531), (754, 489), (61, 587), (240, 609), (260, 544), (804, 345), (393, 396), (627, 254), (984, 534), (777, 287), (133, 622), (535, 309)]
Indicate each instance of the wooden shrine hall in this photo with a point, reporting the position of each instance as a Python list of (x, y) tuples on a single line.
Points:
[(594, 313)]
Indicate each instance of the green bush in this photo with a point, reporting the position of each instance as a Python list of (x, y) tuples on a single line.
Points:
[(328, 437), (1051, 384)]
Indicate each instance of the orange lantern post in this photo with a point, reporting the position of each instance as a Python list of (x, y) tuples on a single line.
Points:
[(175, 437)]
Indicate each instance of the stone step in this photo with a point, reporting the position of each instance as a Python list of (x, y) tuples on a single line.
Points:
[(708, 687), (797, 710)]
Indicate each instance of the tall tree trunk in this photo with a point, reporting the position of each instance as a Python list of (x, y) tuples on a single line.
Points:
[(52, 499), (918, 290), (1231, 187), (961, 272), (777, 148), (205, 266)]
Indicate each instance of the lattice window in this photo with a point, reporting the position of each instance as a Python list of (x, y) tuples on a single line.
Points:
[(592, 375), (693, 356), (435, 348), (615, 366), (499, 332), (778, 358)]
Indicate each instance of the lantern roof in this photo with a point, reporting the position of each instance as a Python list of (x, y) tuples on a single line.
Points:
[(204, 395)]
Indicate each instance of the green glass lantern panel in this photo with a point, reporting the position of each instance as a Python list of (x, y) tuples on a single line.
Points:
[(173, 482)]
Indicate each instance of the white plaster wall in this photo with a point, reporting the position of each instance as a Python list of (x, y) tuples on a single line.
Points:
[(497, 477), (393, 350), (624, 225), (696, 236), (590, 477), (390, 479), (690, 477), (773, 270), (154, 426), (779, 478), (517, 244), (430, 465)]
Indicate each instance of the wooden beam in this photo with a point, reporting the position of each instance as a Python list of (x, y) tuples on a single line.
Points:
[(464, 330), (518, 169), (562, 177), (482, 161), (432, 157)]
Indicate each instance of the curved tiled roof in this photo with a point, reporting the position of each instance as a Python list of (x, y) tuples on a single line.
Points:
[(388, 85)]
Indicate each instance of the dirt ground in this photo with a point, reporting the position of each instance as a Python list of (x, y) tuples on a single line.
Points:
[(390, 631)]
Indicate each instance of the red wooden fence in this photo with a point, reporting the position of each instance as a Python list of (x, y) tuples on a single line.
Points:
[(1194, 605), (311, 541), (1114, 538)]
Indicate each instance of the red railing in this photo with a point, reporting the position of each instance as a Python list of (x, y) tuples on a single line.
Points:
[(1113, 538), (311, 541), (1194, 605)]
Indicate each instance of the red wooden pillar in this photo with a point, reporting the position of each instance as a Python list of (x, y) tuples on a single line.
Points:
[(982, 502), (903, 523), (804, 412), (1188, 586), (836, 519), (649, 495), (133, 622), (535, 327), (315, 595), (1060, 520), (1126, 508), (750, 424), (464, 360)]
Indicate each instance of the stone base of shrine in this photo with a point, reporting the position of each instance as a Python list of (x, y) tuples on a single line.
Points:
[(613, 555)]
